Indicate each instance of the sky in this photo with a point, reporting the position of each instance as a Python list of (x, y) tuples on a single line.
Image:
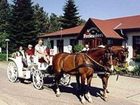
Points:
[(100, 9)]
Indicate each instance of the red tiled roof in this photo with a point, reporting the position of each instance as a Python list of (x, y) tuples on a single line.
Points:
[(70, 31), (106, 28), (131, 22), (109, 26)]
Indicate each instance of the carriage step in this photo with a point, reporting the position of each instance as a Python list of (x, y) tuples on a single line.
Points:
[(26, 74), (25, 69), (48, 75)]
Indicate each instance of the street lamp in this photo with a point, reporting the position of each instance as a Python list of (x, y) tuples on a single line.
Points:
[(61, 32), (61, 41), (7, 40)]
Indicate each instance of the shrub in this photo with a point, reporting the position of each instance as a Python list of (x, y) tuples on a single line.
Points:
[(121, 69), (78, 48), (136, 70), (2, 57)]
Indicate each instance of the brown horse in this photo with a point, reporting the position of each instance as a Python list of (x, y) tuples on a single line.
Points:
[(117, 54), (82, 65), (105, 60)]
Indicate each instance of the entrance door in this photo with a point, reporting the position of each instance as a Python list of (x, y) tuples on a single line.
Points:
[(60, 44)]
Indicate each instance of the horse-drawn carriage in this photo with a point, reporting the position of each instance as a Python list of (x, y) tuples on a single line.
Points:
[(82, 65), (36, 71)]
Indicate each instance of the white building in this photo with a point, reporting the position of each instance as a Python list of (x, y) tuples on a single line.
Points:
[(124, 31), (63, 40)]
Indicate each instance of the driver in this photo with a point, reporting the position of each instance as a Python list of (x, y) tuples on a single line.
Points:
[(40, 51)]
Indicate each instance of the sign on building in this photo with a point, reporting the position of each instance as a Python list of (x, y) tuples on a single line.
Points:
[(93, 33)]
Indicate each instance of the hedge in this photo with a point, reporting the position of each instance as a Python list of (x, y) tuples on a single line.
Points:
[(2, 57)]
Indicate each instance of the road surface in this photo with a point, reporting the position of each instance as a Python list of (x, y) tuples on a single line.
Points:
[(125, 91)]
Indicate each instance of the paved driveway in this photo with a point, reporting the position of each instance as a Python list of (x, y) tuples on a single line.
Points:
[(125, 91)]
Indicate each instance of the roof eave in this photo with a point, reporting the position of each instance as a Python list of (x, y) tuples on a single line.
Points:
[(63, 35)]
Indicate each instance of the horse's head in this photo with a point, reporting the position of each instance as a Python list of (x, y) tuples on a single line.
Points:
[(107, 60), (103, 57), (121, 54)]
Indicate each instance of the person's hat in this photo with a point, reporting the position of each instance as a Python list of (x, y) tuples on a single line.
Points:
[(30, 45)]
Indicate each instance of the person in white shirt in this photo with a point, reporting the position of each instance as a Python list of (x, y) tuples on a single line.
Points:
[(86, 48), (21, 53), (40, 51)]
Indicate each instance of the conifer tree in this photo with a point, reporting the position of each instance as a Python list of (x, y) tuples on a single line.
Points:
[(22, 23), (41, 19), (70, 17), (54, 23), (4, 15)]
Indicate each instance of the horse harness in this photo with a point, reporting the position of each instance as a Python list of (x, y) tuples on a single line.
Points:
[(99, 66), (90, 65), (74, 63)]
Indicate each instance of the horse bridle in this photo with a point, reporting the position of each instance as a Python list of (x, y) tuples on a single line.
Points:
[(100, 65)]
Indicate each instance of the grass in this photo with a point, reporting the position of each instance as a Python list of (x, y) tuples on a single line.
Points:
[(2, 57)]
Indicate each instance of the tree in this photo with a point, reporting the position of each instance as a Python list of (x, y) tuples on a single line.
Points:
[(70, 17), (4, 15), (41, 19), (22, 23), (54, 23)]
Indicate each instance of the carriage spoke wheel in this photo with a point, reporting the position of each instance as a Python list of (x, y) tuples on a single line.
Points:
[(38, 79), (12, 72), (65, 79)]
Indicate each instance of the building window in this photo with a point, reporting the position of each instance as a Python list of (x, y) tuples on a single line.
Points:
[(52, 44), (60, 44), (137, 40), (73, 42), (109, 41)]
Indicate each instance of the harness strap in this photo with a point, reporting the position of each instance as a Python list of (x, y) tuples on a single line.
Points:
[(94, 61), (103, 73), (80, 66)]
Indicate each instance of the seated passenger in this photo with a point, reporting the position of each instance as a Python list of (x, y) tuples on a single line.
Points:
[(86, 48), (30, 52), (40, 51), (21, 52)]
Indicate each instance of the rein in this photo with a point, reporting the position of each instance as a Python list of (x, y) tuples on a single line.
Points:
[(105, 72), (94, 61)]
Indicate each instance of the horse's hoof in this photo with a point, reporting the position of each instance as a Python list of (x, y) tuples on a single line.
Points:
[(90, 100), (58, 95), (83, 101), (88, 97), (105, 99), (107, 91)]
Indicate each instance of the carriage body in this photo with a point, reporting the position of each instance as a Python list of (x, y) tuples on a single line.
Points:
[(25, 69), (35, 71)]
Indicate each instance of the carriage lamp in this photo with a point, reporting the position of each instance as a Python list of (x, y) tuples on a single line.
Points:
[(7, 40)]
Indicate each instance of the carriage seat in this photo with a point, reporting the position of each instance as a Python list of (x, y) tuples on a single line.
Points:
[(41, 60)]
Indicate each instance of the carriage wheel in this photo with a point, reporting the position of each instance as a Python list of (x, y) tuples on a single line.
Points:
[(38, 79), (65, 79), (12, 72)]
